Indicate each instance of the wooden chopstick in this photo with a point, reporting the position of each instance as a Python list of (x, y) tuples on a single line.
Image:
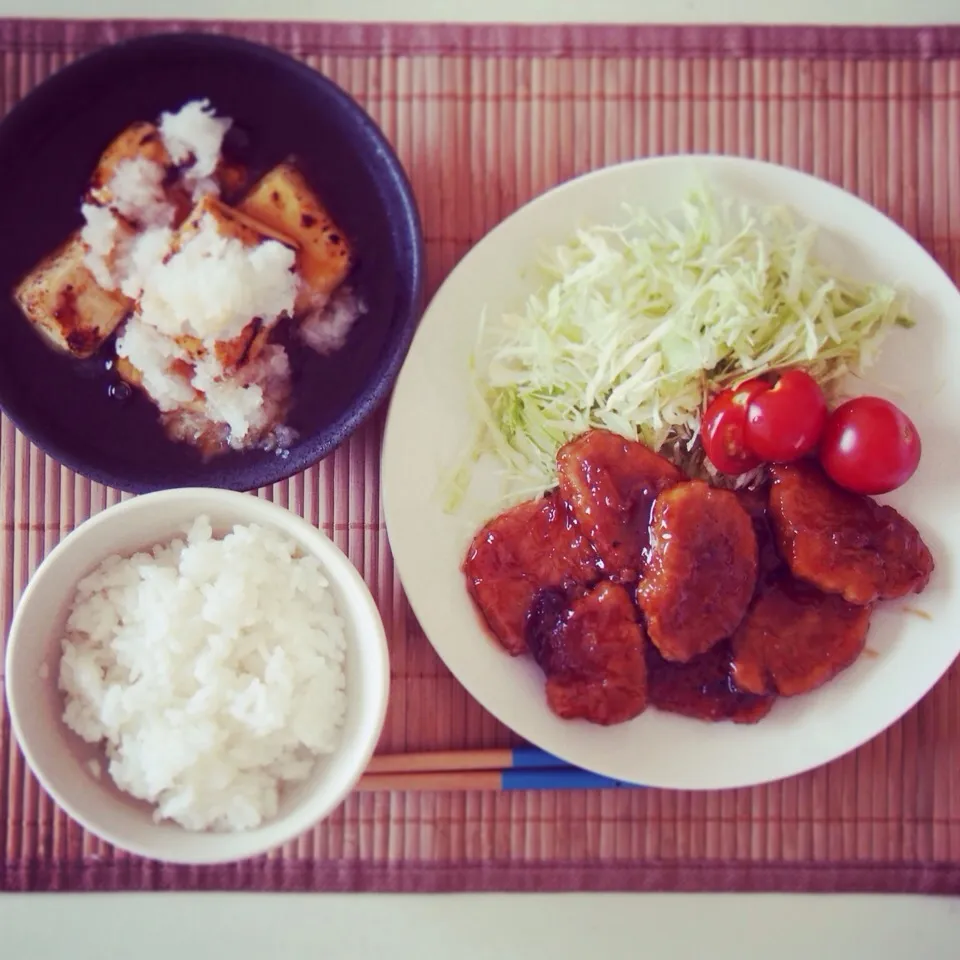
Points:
[(562, 778), (431, 761), (519, 768), (441, 760), (448, 780)]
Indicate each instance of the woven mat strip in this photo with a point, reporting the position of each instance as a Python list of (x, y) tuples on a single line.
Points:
[(357, 876), (511, 40), (485, 118)]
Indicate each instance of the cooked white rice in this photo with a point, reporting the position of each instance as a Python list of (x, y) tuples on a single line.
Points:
[(212, 670)]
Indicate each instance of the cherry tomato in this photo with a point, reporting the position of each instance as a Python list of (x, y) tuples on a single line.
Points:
[(784, 423), (722, 428), (870, 446)]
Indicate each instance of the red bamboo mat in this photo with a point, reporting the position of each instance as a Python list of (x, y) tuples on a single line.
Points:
[(484, 118)]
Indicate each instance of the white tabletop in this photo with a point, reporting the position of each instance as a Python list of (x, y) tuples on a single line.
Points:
[(665, 927), (609, 11), (482, 927)]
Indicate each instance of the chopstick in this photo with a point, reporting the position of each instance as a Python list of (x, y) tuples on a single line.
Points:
[(569, 778), (520, 768), (443, 760)]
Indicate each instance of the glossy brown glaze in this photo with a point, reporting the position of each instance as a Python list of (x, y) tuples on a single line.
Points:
[(795, 638), (591, 649), (81, 339), (701, 569), (611, 484), (533, 545), (842, 542), (734, 626), (702, 689), (756, 501)]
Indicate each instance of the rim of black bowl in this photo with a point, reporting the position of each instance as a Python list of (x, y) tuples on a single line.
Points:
[(383, 376)]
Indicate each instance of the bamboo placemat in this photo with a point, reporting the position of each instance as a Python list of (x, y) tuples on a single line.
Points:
[(485, 118)]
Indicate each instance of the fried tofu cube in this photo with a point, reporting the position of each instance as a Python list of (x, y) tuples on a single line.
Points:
[(284, 201), (231, 354), (142, 141), (138, 141), (229, 222), (132, 375), (66, 305), (127, 372)]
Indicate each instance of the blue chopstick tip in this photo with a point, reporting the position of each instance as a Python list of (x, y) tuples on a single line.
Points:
[(564, 778), (535, 769)]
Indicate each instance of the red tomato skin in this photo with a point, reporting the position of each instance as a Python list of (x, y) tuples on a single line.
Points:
[(870, 446), (722, 428), (785, 422)]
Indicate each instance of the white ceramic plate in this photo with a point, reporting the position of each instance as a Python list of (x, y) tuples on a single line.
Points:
[(429, 420)]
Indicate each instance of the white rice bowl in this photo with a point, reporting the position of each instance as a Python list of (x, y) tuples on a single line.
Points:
[(212, 671)]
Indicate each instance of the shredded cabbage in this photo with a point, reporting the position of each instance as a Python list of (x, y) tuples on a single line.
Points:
[(635, 327)]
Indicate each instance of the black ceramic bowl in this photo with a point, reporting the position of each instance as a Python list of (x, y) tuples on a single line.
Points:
[(49, 145)]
